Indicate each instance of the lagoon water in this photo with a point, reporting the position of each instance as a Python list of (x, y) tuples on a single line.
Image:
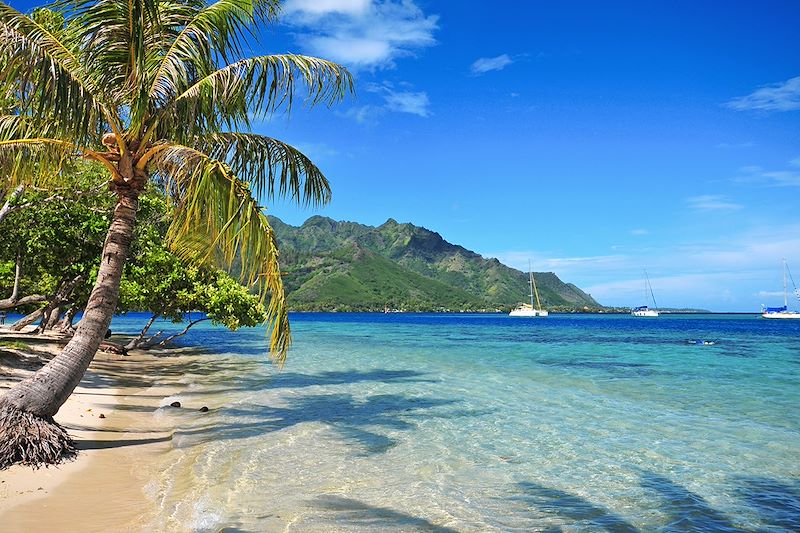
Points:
[(406, 422)]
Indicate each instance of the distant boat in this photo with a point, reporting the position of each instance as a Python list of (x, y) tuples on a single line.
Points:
[(782, 312), (528, 310), (643, 310)]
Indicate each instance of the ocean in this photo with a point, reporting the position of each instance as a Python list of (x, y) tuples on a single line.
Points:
[(475, 422)]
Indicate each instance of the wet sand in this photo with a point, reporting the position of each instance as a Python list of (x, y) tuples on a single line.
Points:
[(104, 488)]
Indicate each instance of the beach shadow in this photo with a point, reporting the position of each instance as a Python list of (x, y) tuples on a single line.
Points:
[(777, 502), (98, 444), (263, 379), (347, 377), (685, 510), (356, 420), (372, 518), (574, 509), (776, 506)]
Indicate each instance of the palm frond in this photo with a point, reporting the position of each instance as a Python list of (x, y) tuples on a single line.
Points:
[(221, 27), (35, 160), (127, 38), (259, 85), (49, 77), (211, 202), (270, 166)]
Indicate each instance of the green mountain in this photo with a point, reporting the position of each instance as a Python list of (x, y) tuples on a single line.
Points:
[(347, 266)]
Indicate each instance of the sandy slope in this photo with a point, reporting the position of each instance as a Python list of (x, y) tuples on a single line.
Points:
[(103, 490)]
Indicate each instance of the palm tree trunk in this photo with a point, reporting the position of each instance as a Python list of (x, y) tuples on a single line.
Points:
[(28, 433)]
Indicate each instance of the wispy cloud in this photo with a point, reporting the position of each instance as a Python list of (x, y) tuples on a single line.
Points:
[(775, 178), (739, 271), (365, 114), (323, 7), (394, 100), (784, 96), (544, 261), (487, 64), (638, 232), (362, 34), (317, 151), (711, 202)]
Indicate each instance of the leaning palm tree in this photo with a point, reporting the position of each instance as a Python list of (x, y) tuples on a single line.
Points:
[(160, 93)]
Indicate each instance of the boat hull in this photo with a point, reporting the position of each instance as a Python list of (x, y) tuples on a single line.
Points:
[(528, 313), (781, 315), (645, 313)]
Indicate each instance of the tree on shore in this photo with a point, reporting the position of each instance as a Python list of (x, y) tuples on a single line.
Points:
[(51, 241), (48, 262), (160, 93), (159, 282)]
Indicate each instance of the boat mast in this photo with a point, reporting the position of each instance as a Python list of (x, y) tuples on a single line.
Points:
[(536, 292), (785, 298), (649, 286), (530, 281)]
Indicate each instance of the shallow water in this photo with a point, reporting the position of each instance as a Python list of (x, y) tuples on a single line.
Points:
[(406, 422)]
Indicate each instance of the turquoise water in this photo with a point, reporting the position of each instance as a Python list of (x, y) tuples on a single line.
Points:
[(445, 423)]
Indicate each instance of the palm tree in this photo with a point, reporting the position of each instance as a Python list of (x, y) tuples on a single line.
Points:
[(160, 93)]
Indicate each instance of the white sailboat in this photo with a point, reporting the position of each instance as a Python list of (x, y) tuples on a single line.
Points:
[(782, 312), (528, 310), (643, 310)]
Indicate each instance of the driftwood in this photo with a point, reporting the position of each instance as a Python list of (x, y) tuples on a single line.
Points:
[(113, 347), (27, 320)]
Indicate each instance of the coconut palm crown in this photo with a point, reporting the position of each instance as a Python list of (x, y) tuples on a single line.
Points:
[(161, 93)]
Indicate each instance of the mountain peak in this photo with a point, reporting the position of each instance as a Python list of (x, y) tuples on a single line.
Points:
[(319, 220), (349, 266)]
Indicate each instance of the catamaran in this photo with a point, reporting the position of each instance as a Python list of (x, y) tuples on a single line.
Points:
[(528, 310), (783, 312), (643, 310)]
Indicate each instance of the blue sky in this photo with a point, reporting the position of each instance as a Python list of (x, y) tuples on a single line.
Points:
[(597, 138)]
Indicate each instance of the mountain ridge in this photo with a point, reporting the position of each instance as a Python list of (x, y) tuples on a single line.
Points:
[(348, 266)]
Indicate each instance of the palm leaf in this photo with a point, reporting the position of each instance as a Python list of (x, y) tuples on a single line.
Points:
[(270, 166), (216, 218), (257, 85), (49, 77), (220, 27)]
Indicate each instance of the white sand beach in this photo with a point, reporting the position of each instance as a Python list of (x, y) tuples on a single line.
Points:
[(109, 416)]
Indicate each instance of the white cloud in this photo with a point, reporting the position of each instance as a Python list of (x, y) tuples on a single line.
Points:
[(321, 7), (317, 151), (361, 34), (738, 271), (365, 114), (543, 262), (775, 178), (408, 102), (770, 294), (784, 96), (396, 101), (711, 202), (487, 64)]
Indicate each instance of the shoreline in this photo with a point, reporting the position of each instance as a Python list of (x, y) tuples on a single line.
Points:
[(103, 489)]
